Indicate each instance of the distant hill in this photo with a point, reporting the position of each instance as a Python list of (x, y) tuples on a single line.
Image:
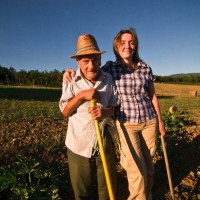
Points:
[(189, 78), (187, 74)]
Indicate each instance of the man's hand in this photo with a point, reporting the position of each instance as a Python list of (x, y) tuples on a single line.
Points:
[(95, 112), (89, 95)]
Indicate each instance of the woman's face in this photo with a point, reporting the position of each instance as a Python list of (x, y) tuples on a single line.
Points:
[(126, 46)]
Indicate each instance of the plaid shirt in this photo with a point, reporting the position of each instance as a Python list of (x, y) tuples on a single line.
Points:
[(132, 87)]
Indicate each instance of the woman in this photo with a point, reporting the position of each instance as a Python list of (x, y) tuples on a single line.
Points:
[(138, 116)]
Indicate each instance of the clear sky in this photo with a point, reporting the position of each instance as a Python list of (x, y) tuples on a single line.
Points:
[(42, 34)]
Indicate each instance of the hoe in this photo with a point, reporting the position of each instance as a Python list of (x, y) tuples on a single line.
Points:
[(103, 158)]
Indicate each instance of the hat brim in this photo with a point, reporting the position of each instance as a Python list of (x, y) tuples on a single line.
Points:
[(87, 53)]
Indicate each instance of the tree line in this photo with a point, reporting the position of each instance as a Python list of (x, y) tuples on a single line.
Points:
[(191, 78), (9, 76)]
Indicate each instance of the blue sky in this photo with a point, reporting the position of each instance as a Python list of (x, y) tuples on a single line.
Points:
[(42, 34)]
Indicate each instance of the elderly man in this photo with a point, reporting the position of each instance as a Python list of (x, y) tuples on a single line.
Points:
[(90, 83)]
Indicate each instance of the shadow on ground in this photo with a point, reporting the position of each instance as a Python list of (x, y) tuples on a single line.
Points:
[(32, 94)]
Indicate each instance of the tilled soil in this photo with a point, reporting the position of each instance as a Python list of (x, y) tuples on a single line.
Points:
[(183, 151)]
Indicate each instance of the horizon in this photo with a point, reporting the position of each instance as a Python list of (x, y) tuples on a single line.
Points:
[(48, 71), (42, 35)]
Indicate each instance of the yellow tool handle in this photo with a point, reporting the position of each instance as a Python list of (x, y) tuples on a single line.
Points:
[(103, 158)]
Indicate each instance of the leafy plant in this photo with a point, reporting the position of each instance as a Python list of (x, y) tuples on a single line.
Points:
[(28, 179), (173, 122)]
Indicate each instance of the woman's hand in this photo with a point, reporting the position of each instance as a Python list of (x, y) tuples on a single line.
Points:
[(68, 75), (162, 129)]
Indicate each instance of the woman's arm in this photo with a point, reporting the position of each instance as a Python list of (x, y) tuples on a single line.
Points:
[(156, 105), (68, 75)]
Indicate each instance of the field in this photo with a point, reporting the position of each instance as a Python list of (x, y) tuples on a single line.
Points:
[(33, 156)]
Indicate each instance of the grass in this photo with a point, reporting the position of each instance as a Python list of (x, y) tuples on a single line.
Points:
[(179, 95), (176, 90), (31, 125), (32, 130), (28, 93)]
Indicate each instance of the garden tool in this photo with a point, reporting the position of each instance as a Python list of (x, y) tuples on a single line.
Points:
[(103, 158), (167, 167)]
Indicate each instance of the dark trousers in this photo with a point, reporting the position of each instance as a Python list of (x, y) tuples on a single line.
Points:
[(84, 171)]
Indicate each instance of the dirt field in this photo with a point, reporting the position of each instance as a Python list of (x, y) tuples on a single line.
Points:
[(33, 126), (184, 160), (183, 148)]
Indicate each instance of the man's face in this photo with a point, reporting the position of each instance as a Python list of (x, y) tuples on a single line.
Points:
[(90, 66)]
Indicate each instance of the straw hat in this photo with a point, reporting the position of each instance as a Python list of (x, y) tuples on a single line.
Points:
[(86, 45)]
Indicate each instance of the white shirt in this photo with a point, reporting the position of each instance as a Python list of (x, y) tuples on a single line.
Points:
[(81, 133)]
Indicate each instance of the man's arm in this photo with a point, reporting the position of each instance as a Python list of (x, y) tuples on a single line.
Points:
[(77, 100), (72, 105)]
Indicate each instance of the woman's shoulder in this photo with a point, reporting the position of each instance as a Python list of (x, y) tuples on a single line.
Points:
[(143, 64), (107, 78), (110, 66), (147, 69), (107, 75)]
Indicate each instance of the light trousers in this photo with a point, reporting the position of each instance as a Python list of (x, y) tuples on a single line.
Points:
[(138, 146)]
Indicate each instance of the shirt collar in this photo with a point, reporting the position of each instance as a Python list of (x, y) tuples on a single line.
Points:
[(139, 65)]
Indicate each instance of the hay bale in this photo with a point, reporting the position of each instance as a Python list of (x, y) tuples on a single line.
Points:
[(193, 93)]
